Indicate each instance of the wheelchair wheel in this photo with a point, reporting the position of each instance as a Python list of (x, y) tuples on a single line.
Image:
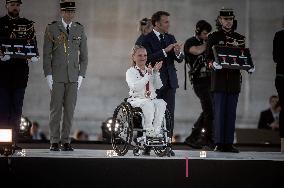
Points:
[(162, 151), (122, 130)]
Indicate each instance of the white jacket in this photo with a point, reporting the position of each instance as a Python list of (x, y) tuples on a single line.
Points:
[(137, 83)]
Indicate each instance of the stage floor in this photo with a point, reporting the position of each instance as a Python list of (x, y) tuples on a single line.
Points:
[(94, 167), (180, 154)]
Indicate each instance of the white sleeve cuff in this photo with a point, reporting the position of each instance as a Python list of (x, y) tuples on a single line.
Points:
[(165, 54), (178, 56)]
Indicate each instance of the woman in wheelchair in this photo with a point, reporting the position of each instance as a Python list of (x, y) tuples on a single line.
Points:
[(143, 81)]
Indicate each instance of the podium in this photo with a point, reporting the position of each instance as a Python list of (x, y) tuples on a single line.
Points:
[(19, 48), (233, 57)]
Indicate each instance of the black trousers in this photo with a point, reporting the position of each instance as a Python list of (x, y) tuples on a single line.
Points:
[(279, 83), (168, 95), (11, 103), (202, 89)]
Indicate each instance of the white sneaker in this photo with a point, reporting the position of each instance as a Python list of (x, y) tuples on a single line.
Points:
[(150, 132), (159, 132)]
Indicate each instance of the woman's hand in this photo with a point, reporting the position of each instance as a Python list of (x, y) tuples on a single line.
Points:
[(158, 66), (150, 69)]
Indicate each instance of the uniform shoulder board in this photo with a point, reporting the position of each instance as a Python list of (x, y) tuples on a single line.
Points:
[(78, 23), (240, 36), (27, 21), (213, 33), (52, 22)]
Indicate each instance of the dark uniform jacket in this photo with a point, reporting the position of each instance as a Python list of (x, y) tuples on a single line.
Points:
[(15, 72), (225, 80)]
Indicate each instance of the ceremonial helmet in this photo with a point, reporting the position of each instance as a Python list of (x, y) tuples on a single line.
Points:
[(13, 1), (67, 5)]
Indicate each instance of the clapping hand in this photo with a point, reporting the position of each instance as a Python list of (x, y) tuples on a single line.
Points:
[(158, 66), (150, 69), (177, 48)]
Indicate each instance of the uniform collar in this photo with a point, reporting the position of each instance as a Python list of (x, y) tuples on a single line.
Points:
[(65, 24), (227, 32), (12, 18)]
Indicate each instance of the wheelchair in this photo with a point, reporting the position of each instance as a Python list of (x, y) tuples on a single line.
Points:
[(127, 121)]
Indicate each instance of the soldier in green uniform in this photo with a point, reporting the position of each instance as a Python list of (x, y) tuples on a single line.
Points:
[(65, 59), (14, 71)]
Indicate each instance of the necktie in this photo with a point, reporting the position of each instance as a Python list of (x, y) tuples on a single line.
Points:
[(162, 40), (67, 29)]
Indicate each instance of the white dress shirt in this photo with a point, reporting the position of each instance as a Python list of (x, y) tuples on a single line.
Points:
[(65, 24), (158, 35)]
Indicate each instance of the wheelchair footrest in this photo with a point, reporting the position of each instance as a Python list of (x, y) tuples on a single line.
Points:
[(155, 142)]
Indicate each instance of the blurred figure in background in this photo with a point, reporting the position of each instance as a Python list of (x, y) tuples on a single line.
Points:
[(36, 133), (269, 118), (81, 135), (145, 27)]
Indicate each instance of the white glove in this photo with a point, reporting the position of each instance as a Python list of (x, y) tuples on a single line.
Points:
[(251, 70), (33, 60), (5, 58), (216, 66), (49, 81), (80, 79)]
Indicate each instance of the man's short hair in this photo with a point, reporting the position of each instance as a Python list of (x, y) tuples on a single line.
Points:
[(156, 17), (203, 25), (272, 97)]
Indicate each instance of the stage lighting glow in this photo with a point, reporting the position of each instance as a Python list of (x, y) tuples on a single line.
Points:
[(6, 135), (202, 154), (6, 139), (108, 125), (25, 124), (203, 130), (24, 127)]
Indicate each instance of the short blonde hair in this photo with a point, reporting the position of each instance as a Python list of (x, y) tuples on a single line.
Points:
[(134, 50), (144, 24)]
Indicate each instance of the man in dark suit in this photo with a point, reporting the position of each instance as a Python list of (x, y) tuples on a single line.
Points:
[(162, 46), (269, 119)]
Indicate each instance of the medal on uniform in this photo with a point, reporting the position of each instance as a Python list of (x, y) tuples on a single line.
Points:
[(63, 39), (147, 94)]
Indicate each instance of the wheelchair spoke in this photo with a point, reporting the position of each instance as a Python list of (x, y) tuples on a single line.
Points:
[(122, 129)]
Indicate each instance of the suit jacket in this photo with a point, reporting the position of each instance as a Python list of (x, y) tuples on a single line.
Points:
[(65, 57), (155, 53), (265, 119)]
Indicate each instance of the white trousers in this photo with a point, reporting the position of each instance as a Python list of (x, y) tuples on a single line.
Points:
[(153, 111)]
